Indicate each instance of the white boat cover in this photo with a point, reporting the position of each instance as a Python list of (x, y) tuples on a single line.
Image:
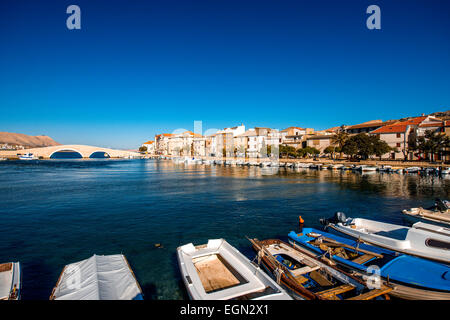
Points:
[(98, 278), (5, 284)]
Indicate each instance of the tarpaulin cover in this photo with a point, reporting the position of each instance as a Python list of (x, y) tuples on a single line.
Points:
[(98, 278)]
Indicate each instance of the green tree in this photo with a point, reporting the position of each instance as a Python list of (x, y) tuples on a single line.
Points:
[(287, 151), (330, 150), (433, 143), (339, 139), (142, 148), (307, 151), (380, 146), (350, 148)]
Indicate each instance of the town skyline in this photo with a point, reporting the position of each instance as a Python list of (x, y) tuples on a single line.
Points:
[(391, 139)]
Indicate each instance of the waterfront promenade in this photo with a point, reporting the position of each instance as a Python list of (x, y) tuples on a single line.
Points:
[(396, 164)]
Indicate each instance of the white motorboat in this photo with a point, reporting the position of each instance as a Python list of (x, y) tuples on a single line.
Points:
[(365, 167), (27, 156), (303, 165), (384, 168), (430, 170), (335, 166), (369, 168), (275, 164), (445, 170), (98, 278), (440, 212), (10, 281), (218, 271), (412, 169), (188, 160), (3, 159), (422, 239)]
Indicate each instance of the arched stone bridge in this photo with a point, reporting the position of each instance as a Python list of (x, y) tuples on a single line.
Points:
[(84, 151)]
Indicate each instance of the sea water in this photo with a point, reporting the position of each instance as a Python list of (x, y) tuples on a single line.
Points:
[(56, 212)]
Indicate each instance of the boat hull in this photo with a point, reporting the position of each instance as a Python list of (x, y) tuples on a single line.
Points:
[(217, 271), (413, 241), (412, 278)]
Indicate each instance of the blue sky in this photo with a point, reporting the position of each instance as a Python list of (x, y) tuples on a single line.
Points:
[(137, 68)]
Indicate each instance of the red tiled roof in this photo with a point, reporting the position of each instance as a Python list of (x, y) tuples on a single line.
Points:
[(148, 142), (164, 134), (293, 128), (397, 128), (400, 126)]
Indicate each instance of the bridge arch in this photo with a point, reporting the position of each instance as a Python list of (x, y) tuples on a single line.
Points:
[(99, 153), (52, 155)]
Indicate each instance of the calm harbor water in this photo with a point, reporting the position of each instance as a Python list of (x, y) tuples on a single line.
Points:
[(60, 211)]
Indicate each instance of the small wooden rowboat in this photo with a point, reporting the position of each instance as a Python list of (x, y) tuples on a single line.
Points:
[(306, 277), (218, 271), (412, 277), (98, 278), (10, 281), (422, 239), (440, 212)]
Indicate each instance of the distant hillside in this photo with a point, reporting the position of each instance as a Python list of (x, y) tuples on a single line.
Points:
[(26, 140), (443, 115)]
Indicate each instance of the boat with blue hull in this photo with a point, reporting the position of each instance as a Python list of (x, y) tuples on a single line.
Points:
[(412, 277)]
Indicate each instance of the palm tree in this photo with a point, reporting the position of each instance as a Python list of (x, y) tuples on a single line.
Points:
[(433, 142), (339, 139)]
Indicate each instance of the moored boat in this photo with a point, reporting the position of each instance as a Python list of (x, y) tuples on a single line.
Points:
[(317, 166), (306, 277), (27, 156), (369, 168), (440, 212), (10, 281), (98, 278), (411, 277), (218, 271), (412, 170), (422, 240), (430, 170), (384, 168)]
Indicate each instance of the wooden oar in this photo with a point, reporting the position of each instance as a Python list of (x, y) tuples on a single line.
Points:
[(337, 243)]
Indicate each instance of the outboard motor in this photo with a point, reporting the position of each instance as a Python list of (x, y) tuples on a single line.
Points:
[(338, 217), (442, 205)]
